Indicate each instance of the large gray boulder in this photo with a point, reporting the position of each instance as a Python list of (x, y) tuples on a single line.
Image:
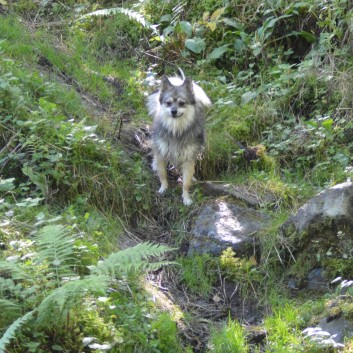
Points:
[(222, 224), (335, 203), (320, 234)]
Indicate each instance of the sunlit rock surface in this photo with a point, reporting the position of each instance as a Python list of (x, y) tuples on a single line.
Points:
[(222, 224)]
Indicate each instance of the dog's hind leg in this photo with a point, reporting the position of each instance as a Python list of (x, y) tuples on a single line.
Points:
[(160, 165), (188, 173)]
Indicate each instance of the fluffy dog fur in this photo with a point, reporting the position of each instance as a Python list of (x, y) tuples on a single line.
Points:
[(178, 128)]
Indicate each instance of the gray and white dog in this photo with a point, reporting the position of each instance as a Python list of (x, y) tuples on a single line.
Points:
[(178, 131)]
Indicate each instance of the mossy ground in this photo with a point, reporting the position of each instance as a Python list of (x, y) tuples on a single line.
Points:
[(270, 127)]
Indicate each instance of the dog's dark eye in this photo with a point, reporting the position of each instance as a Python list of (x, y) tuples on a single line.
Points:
[(181, 103), (168, 104)]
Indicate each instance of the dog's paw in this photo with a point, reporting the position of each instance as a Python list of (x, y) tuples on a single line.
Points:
[(162, 189), (187, 200)]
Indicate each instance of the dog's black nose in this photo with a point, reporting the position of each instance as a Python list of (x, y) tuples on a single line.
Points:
[(174, 112)]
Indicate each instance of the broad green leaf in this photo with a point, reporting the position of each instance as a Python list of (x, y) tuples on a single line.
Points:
[(309, 37), (230, 22), (341, 159), (4, 84), (247, 97), (165, 18), (55, 157), (29, 202), (168, 30), (266, 29), (37, 178), (327, 124), (269, 23), (216, 53), (298, 5), (312, 123), (256, 48), (196, 45), (184, 27), (239, 45), (7, 184), (138, 197)]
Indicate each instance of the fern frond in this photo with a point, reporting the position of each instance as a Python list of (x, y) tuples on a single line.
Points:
[(134, 258), (9, 308), (13, 270), (70, 294), (11, 330), (133, 15), (55, 247), (60, 301), (154, 266)]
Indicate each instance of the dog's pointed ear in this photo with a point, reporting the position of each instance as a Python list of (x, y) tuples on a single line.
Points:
[(188, 85), (165, 83)]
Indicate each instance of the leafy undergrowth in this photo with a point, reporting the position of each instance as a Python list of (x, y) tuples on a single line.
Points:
[(77, 191)]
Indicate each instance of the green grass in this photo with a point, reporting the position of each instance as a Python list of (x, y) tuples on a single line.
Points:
[(58, 169), (199, 274), (283, 331), (67, 156), (66, 168), (17, 42), (76, 64), (229, 339)]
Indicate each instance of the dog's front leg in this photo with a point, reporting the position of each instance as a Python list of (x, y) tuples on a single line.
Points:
[(160, 165), (188, 173)]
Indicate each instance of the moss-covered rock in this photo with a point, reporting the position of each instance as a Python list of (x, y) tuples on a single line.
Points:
[(320, 234)]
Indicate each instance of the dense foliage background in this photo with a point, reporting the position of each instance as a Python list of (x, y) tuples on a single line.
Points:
[(84, 240)]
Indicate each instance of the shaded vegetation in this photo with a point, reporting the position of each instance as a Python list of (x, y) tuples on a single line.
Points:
[(73, 80)]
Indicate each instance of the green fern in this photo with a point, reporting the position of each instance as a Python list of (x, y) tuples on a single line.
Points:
[(13, 270), (65, 298), (12, 275), (7, 306), (9, 311), (56, 255), (131, 259), (133, 15), (56, 249), (11, 330), (57, 305)]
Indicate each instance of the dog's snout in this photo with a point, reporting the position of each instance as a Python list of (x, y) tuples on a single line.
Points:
[(174, 111)]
